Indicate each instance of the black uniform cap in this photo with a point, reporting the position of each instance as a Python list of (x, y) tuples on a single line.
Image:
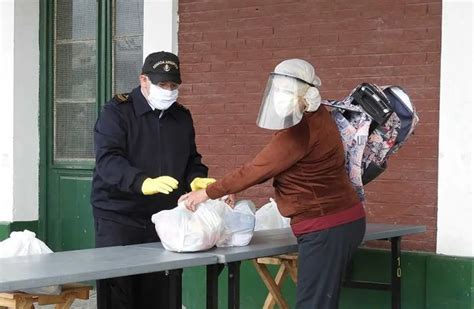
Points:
[(162, 67)]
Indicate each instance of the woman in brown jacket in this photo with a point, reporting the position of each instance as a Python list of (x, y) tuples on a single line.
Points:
[(306, 159)]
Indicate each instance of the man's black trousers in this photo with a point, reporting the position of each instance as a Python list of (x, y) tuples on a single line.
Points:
[(131, 292)]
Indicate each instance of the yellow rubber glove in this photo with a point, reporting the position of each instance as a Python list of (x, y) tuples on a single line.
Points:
[(201, 183), (162, 184)]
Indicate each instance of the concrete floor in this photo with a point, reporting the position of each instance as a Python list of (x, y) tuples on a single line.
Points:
[(78, 303)]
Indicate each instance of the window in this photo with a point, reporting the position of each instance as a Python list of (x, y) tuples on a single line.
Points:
[(76, 58), (75, 71), (127, 44)]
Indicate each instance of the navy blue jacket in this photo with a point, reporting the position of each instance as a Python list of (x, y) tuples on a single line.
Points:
[(132, 142)]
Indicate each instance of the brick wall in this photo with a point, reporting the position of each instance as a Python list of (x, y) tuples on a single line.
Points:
[(227, 49)]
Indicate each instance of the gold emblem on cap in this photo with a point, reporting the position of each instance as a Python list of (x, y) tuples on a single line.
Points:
[(167, 65)]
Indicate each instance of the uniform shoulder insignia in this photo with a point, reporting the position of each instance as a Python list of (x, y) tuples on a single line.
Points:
[(181, 106), (121, 98)]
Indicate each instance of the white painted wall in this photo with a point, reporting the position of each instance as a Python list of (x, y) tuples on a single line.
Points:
[(19, 86), (19, 138), (26, 111), (160, 26), (455, 210), (6, 116)]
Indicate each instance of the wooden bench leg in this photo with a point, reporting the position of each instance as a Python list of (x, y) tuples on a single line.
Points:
[(4, 303), (292, 269), (70, 292), (270, 283), (279, 278), (67, 302), (24, 303)]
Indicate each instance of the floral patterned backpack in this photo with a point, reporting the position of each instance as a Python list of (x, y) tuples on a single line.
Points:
[(374, 122)]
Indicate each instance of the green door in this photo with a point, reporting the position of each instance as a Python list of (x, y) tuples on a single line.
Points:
[(88, 52)]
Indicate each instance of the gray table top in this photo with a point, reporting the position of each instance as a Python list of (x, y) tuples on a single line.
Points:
[(91, 264), (263, 243), (376, 231), (281, 241), (33, 271)]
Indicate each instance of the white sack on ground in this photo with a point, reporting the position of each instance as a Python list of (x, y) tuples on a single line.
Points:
[(26, 243), (268, 217)]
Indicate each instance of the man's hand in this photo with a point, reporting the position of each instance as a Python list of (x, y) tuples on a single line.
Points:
[(162, 184), (201, 183), (192, 199), (230, 200)]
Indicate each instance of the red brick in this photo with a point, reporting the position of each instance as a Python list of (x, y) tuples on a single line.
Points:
[(433, 58), (219, 56), (253, 33), (286, 30), (219, 35), (186, 47), (248, 23), (253, 43), (201, 47), (190, 37), (254, 55), (195, 67), (281, 42), (218, 45), (228, 48), (435, 9), (414, 81), (201, 26), (290, 53), (189, 57), (340, 62), (432, 81), (200, 6), (197, 77), (201, 16), (416, 10), (235, 44)]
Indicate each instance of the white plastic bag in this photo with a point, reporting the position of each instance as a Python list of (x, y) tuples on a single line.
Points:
[(26, 243), (239, 223), (182, 230), (268, 217)]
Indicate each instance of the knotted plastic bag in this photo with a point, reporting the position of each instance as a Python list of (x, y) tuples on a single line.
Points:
[(182, 230), (268, 217), (26, 243), (239, 223)]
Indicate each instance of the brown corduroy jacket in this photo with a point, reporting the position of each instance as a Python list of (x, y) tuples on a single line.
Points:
[(307, 162)]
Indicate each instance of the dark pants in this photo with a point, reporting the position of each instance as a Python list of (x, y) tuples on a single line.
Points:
[(131, 292), (322, 260)]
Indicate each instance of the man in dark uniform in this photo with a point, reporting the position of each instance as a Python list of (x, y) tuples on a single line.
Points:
[(146, 158)]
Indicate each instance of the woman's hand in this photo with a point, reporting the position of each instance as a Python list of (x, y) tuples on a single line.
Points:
[(192, 199)]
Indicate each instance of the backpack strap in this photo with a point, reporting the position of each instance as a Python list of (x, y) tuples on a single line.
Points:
[(345, 105)]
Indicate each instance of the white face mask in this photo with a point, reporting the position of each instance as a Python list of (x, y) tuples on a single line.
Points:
[(285, 103), (161, 98)]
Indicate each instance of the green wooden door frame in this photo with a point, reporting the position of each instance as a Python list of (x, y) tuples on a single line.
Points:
[(104, 53), (45, 91), (46, 96)]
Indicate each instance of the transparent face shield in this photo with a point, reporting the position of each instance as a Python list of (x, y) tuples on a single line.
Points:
[(282, 104)]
